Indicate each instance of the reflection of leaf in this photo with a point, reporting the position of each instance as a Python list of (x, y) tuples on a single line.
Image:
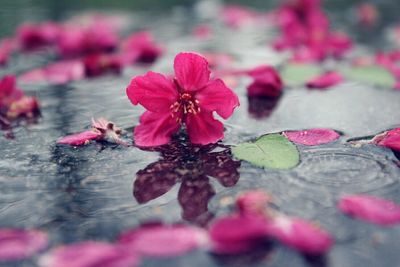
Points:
[(371, 75), (270, 151), (299, 74)]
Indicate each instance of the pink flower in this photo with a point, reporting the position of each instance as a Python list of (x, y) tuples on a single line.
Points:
[(300, 234), (163, 240), (98, 64), (102, 130), (17, 244), (32, 36), (202, 31), (89, 254), (372, 209), (267, 82), (312, 137), (190, 99), (60, 72), (325, 80), (367, 14), (141, 47)]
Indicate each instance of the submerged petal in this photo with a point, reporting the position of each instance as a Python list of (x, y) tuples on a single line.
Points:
[(191, 71), (155, 129), (216, 96), (153, 91), (370, 208), (203, 129)]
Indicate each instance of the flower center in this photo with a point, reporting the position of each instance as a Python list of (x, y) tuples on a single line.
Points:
[(184, 105)]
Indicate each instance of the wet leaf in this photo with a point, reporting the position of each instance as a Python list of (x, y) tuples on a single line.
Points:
[(299, 74), (312, 137), (269, 151), (16, 244), (371, 75), (371, 209)]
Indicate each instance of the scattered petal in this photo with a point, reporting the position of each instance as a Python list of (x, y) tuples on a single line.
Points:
[(299, 234), (253, 202), (325, 80), (17, 244), (312, 137), (141, 47), (267, 82), (389, 139), (80, 139), (371, 209), (26, 106), (89, 254), (163, 240)]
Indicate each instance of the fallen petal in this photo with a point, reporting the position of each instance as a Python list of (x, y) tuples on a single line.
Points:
[(371, 209), (17, 244), (80, 139), (325, 80), (312, 137), (237, 234), (389, 139), (253, 202), (26, 106), (163, 240), (89, 254), (299, 234)]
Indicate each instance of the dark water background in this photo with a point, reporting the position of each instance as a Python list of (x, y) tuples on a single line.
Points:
[(88, 193)]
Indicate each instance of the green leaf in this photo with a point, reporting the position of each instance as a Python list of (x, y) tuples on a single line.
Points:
[(272, 151), (372, 75), (298, 74)]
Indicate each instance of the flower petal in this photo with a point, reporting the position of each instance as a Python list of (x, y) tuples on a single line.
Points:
[(153, 91), (372, 209), (253, 202), (191, 71), (300, 234), (267, 82), (312, 137), (89, 254), (16, 244), (163, 240), (216, 96), (27, 106), (155, 129), (236, 234), (325, 80), (389, 139), (203, 129), (79, 139)]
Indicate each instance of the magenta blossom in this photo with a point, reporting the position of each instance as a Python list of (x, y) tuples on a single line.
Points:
[(190, 98), (31, 36), (141, 47)]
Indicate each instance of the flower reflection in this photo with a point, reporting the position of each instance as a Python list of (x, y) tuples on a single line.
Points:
[(262, 107), (191, 166)]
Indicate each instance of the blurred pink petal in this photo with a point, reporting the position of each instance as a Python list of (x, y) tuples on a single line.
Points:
[(299, 234), (31, 36), (253, 202), (26, 106), (141, 47), (16, 244), (339, 44), (89, 254), (7, 46), (371, 209), (237, 234), (312, 137), (389, 139), (202, 31), (56, 73), (235, 16), (325, 80), (367, 14), (79, 139), (9, 92), (163, 240), (98, 64), (267, 82)]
